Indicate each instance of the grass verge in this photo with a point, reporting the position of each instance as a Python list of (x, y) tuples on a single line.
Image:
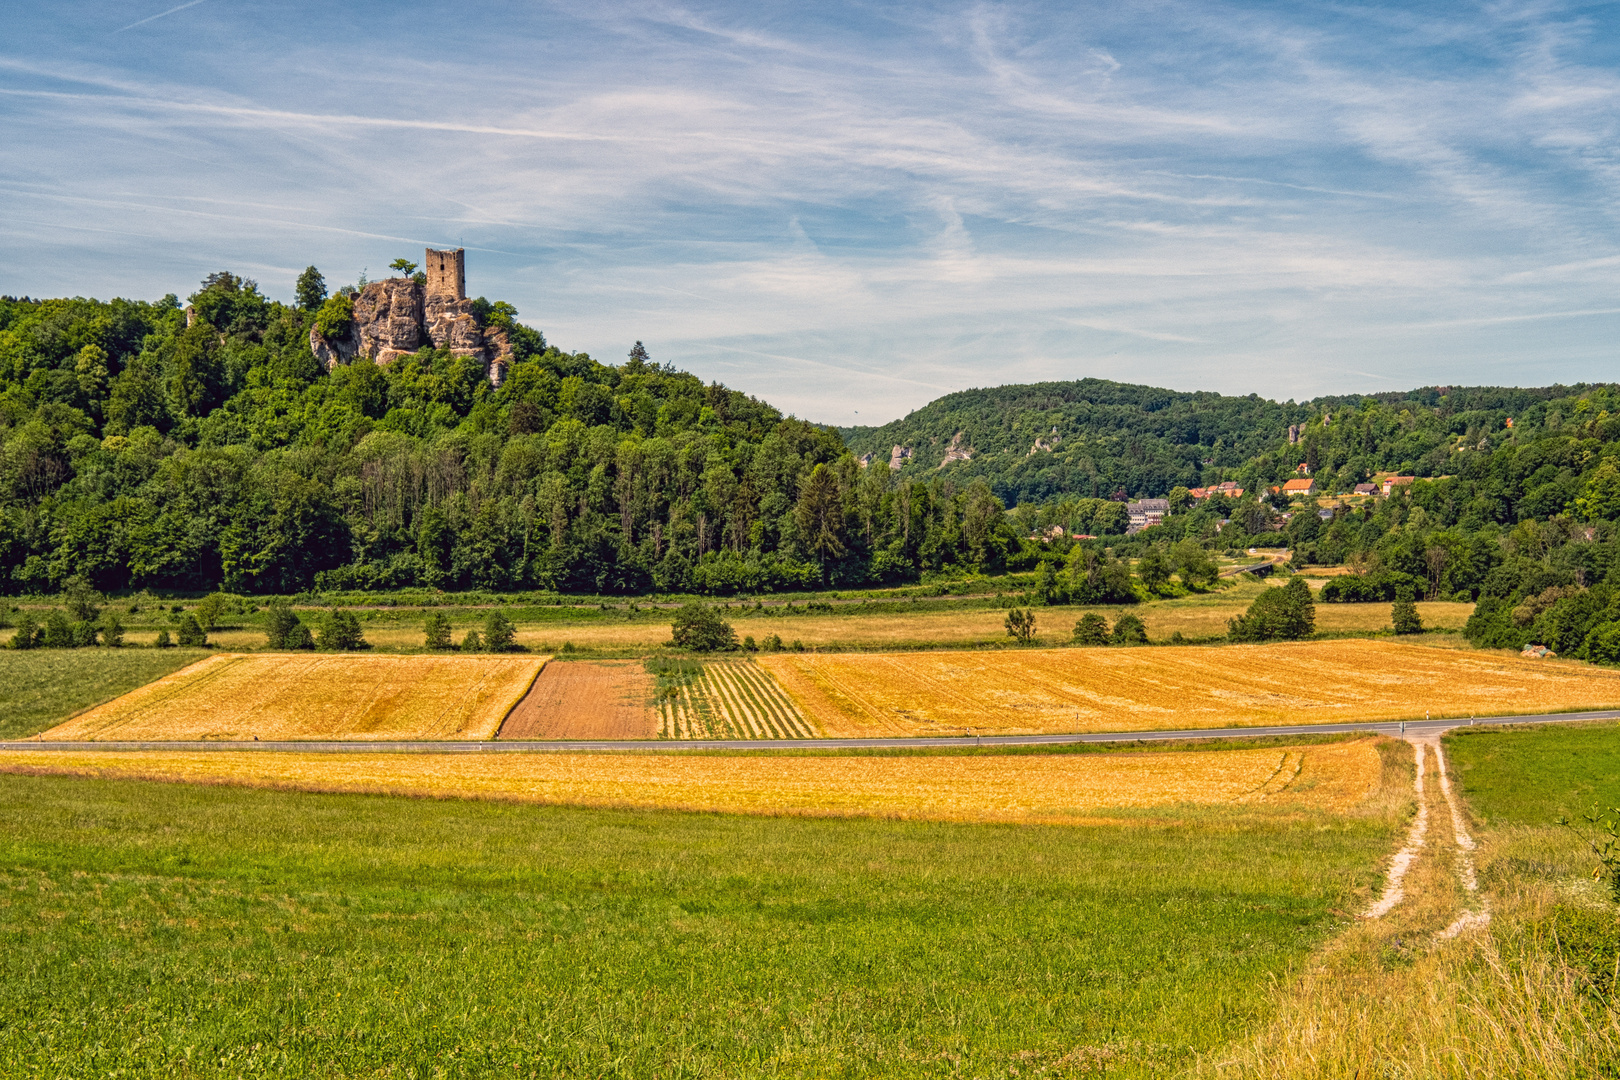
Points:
[(1530, 994)]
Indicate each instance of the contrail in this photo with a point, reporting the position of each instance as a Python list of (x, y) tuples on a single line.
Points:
[(159, 15)]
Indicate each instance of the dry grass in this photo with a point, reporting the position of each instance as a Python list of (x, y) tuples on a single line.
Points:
[(1408, 995), (285, 696), (1202, 616), (1110, 689), (1058, 788), (732, 700)]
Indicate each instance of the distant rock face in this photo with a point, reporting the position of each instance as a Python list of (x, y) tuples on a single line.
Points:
[(956, 451), (396, 317)]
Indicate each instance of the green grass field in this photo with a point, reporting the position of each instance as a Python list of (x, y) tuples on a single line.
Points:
[(1531, 775), (40, 688), (153, 929)]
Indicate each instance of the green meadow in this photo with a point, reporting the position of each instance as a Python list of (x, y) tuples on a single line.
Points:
[(159, 930), (39, 688), (1529, 775)]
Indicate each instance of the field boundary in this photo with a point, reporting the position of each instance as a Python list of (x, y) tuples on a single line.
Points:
[(1404, 729)]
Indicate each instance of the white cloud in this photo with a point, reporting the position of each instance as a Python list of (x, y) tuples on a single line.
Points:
[(862, 207)]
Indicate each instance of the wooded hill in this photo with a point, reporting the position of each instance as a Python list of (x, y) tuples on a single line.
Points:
[(139, 451), (1104, 439)]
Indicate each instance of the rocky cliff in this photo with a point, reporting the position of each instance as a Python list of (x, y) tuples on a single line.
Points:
[(396, 317)]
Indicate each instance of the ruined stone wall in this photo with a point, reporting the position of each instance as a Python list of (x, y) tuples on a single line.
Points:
[(447, 273), (396, 317)]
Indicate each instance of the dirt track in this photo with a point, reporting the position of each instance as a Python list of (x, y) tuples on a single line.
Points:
[(606, 699)]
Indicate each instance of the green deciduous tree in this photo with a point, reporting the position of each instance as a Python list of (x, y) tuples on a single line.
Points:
[(700, 628), (1020, 624), (340, 632), (310, 291), (1129, 630), (436, 630), (189, 632), (819, 516), (1092, 629), (1285, 614), (1600, 499), (1404, 615), (498, 632)]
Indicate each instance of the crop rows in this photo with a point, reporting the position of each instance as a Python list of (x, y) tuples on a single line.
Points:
[(732, 701)]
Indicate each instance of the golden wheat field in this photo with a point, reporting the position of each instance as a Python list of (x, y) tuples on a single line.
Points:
[(1053, 788), (300, 696), (1110, 689)]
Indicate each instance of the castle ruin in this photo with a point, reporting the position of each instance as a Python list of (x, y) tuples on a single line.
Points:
[(398, 316)]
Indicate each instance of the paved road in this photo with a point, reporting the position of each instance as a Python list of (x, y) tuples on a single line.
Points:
[(1410, 728)]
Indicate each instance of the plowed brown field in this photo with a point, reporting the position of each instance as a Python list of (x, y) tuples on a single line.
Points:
[(581, 699), (299, 696), (1055, 788), (1112, 689)]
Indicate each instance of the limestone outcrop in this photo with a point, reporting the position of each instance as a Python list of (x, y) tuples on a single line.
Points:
[(398, 316)]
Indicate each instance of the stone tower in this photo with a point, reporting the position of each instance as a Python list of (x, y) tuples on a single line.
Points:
[(447, 273)]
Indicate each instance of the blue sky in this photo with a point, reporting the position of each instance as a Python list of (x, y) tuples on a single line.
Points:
[(850, 209)]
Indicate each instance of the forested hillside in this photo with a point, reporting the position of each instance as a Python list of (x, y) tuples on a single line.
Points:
[(140, 452), (1104, 439)]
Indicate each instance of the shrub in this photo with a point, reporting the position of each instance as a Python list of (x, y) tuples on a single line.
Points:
[(58, 631), (1491, 626), (335, 317), (282, 630), (189, 632), (112, 630), (1092, 629), (1371, 588), (498, 632), (209, 611), (1130, 630), (1404, 614), (437, 630), (28, 635), (1285, 614), (700, 628), (474, 643), (340, 632), (162, 641), (1020, 624), (748, 644), (1603, 643), (85, 634), (773, 643), (81, 598)]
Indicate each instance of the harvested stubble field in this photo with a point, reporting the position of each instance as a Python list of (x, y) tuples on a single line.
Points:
[(1110, 689), (1026, 788), (584, 699), (299, 696), (732, 700)]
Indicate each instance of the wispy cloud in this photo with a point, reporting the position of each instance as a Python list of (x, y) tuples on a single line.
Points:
[(843, 207), (159, 15)]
